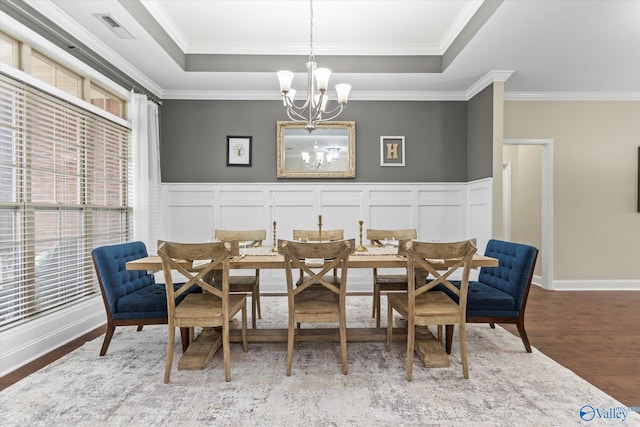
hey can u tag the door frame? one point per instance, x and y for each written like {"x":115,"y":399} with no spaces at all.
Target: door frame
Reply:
{"x":546,"y":252}
{"x":506,"y":200}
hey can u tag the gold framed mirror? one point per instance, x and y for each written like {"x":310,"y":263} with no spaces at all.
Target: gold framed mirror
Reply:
{"x":329,"y":151}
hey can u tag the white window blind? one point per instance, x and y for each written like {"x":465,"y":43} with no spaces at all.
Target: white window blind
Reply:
{"x":64,"y":181}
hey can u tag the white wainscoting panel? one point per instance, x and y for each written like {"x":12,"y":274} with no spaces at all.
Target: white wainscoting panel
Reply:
{"x":480,"y":212}
{"x":439,"y":211}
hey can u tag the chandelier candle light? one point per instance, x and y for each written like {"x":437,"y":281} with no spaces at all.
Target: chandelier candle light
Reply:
{"x":311,"y":112}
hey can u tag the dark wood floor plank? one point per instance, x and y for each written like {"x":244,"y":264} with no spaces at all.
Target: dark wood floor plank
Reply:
{"x":596,"y":334}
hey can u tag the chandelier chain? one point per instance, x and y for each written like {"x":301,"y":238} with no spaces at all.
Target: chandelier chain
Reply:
{"x":311,"y":29}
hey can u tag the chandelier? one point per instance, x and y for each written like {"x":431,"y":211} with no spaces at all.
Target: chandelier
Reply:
{"x":320,"y":160}
{"x":314,"y":109}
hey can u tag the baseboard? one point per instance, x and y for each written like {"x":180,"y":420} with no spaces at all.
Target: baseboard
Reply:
{"x":24,"y":343}
{"x":596,"y":285}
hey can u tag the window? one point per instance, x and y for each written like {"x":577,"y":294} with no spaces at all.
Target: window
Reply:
{"x":64,"y":181}
{"x":107,"y":101}
{"x":8,"y":50}
{"x":50,"y":72}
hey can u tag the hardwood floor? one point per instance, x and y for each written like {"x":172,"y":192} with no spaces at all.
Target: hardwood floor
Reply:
{"x":29,"y":368}
{"x":595,"y":334}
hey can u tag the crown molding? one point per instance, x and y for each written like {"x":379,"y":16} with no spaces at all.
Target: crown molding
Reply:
{"x":222,"y":95}
{"x":572,"y":96}
{"x":319,"y":49}
{"x":275,"y":96}
{"x":167,"y":24}
{"x":486,"y":80}
{"x":461,"y":21}
{"x":409,"y":96}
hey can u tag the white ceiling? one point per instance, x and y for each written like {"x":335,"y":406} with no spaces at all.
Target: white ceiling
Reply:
{"x":562,"y":49}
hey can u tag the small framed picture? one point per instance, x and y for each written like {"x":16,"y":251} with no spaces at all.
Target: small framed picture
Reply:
{"x":392,"y":151}
{"x":239,"y":150}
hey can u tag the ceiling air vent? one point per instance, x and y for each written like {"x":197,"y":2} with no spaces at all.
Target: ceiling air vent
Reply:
{"x":114,"y":25}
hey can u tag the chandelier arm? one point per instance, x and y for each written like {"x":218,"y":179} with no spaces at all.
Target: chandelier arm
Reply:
{"x":339,"y":108}
{"x":295,"y":117}
{"x":289,"y":104}
{"x":315,"y":114}
{"x":313,"y":108}
{"x":295,"y":109}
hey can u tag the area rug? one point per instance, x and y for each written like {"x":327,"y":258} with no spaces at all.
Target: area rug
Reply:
{"x":507,"y":386}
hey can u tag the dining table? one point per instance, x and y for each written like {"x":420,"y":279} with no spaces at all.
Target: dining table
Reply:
{"x":201,"y":350}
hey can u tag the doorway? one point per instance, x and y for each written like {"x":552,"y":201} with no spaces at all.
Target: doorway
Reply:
{"x":546,"y":214}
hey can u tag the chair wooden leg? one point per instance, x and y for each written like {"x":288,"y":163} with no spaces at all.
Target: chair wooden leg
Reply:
{"x":107,"y":339}
{"x":258,"y":301}
{"x":463,"y":349}
{"x":375,"y":312}
{"x":492,"y":325}
{"x":226,"y":351}
{"x":389,"y":325}
{"x":170,"y":343}
{"x":140,"y":327}
{"x":245,"y":339}
{"x":523,"y":335}
{"x":411,"y":334}
{"x":290,"y":341}
{"x":254,"y":309}
{"x":343,"y":343}
{"x":449,"y":338}
{"x":186,"y":337}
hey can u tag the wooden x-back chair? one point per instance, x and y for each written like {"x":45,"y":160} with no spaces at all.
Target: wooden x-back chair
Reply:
{"x":423,"y":307}
{"x":315,"y":236}
{"x":247,"y":284}
{"x":388,"y":282}
{"x":306,"y":303}
{"x":211,"y":308}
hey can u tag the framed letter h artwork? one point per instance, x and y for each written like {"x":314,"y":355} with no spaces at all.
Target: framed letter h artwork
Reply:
{"x":392,"y":151}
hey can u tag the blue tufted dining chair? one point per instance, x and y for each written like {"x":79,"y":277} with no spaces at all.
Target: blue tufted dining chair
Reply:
{"x":500,"y":293}
{"x":131,"y":297}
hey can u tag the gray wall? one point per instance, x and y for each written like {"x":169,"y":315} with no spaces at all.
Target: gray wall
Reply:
{"x":193,"y":139}
{"x":480,"y":135}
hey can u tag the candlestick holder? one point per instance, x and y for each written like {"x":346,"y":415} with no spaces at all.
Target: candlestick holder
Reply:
{"x":360,"y":247}
{"x":320,"y":228}
{"x":275,"y":242}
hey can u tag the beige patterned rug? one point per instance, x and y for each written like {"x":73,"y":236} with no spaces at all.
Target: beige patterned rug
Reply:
{"x":507,"y":386}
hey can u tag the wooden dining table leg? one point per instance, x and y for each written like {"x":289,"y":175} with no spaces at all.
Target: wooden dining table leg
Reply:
{"x":428,"y":349}
{"x":201,"y":350}
{"x":449,"y":338}
{"x":186,"y":339}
